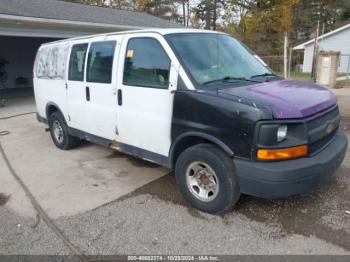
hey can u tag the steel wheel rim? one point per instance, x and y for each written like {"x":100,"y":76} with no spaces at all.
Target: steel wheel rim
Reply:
{"x":202,"y":181}
{"x":57,"y":131}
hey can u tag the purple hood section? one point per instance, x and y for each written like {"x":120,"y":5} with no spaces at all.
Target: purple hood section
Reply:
{"x":287,"y":98}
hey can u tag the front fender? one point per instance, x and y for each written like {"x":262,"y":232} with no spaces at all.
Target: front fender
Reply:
{"x":200,"y":135}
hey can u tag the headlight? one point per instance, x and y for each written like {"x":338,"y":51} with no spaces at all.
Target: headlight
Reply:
{"x":282,"y":133}
{"x":277,"y":141}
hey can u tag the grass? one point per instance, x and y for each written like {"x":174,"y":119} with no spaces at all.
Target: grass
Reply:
{"x":341,"y":74}
{"x":307,"y":77}
{"x":342,"y":84}
{"x":297,"y":75}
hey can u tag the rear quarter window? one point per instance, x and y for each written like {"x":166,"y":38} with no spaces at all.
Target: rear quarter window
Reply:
{"x":51,"y":61}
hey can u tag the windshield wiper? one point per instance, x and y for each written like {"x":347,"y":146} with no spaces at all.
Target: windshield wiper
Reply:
{"x":230,"y":78}
{"x":262,"y":75}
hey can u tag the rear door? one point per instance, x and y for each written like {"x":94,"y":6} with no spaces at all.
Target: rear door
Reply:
{"x":101,"y":86}
{"x":146,"y":79}
{"x":76,"y":93}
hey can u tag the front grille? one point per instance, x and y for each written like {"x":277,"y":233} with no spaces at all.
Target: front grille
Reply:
{"x":320,"y":144}
{"x":319,"y":131}
{"x":321,"y":119}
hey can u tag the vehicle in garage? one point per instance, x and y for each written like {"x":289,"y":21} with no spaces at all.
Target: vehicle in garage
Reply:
{"x":194,"y":100}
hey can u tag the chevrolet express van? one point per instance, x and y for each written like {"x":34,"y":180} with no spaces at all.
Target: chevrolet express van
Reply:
{"x":196,"y":101}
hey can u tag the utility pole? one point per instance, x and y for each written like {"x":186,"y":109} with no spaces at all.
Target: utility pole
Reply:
{"x":285,"y":57}
{"x":184,"y":11}
{"x":188,"y":13}
{"x":290,"y":61}
{"x":215,"y":14}
{"x":323,"y":30}
{"x":347,"y":72}
{"x":314,"y":58}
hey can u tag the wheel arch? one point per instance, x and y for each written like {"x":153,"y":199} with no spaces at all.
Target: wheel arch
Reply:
{"x":189,"y":139}
{"x":52,"y":107}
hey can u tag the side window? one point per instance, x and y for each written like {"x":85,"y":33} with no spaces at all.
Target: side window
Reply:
{"x":77,"y":62}
{"x":146,"y":64}
{"x":100,"y":62}
{"x":51,"y":61}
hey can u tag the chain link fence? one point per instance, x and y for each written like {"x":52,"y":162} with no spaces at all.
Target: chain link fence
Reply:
{"x":275,"y":62}
{"x":295,"y":66}
{"x":343,"y":78}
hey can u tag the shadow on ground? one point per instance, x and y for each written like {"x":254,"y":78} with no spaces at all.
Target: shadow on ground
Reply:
{"x":320,"y":213}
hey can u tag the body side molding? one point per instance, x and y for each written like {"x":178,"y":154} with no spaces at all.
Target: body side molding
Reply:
{"x":123,"y":148}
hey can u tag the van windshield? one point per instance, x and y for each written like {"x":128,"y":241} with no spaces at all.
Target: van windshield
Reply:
{"x":211,"y":58}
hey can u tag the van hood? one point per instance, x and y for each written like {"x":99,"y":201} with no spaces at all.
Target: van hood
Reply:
{"x":286,"y":98}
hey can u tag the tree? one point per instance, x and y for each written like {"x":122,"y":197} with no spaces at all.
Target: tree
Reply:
{"x":162,"y":8}
{"x":120,"y":4}
{"x":208,"y":12}
{"x":263,"y":23}
{"x":345,"y":13}
{"x":186,"y":12}
{"x":330,"y":13}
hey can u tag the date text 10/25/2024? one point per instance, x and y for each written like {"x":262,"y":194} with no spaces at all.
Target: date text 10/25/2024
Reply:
{"x":173,"y":258}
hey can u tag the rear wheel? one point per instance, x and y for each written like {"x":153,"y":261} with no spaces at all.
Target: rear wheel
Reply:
{"x":59,"y":132}
{"x":206,"y":178}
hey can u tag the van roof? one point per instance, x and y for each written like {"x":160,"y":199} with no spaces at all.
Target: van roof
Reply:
{"x":161,"y":31}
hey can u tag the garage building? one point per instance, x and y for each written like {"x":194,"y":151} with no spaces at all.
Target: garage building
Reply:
{"x":337,"y":40}
{"x":25,"y":25}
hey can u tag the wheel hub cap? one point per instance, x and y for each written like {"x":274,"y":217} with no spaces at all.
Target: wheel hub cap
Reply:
{"x":57,"y":131}
{"x":202,"y":181}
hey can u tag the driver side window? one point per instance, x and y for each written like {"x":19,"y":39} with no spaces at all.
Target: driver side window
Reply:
{"x":146,"y":64}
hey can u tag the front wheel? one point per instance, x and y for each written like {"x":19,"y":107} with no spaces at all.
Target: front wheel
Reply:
{"x":206,"y":178}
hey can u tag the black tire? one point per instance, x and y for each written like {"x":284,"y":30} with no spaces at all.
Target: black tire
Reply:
{"x":228,"y":191}
{"x":66,"y":141}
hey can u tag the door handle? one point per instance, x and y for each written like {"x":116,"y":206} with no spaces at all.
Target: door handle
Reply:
{"x":120,"y":97}
{"x":87,"y":90}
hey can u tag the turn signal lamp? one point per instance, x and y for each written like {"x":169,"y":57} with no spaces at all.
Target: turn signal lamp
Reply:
{"x":285,"y":153}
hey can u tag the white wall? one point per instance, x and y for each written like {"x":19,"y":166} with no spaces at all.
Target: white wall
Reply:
{"x":339,"y":42}
{"x":20,"y":53}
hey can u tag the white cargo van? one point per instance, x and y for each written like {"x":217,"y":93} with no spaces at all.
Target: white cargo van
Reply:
{"x":197,"y":101}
